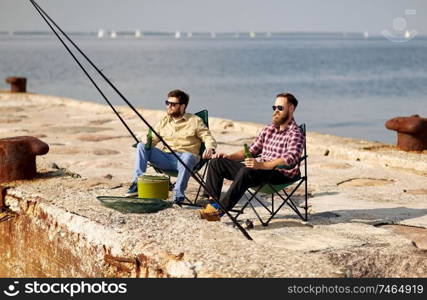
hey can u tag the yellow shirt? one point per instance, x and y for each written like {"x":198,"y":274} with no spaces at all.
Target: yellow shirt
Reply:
{"x":185,"y":134}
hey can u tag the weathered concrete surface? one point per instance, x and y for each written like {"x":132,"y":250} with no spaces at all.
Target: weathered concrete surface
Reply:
{"x":355,"y":189}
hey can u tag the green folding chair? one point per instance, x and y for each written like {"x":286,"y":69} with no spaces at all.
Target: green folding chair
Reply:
{"x":279,"y":190}
{"x":199,"y":170}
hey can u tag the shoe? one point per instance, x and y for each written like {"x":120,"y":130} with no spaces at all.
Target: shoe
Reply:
{"x":210,"y":208}
{"x":214,"y":216}
{"x":178,"y":201}
{"x":211,"y":212}
{"x":133,"y":190}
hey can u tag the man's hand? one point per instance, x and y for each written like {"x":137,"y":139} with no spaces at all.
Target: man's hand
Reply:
{"x":221,"y":155}
{"x":208,"y":153}
{"x":252,"y":163}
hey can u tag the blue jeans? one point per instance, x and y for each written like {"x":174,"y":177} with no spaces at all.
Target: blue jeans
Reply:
{"x":165,"y":161}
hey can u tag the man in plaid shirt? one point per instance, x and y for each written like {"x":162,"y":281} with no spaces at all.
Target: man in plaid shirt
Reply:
{"x":278,"y":144}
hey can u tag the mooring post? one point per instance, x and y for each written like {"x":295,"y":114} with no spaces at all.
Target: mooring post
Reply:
{"x":411,"y":132}
{"x":2,"y":197}
{"x":17,"y":84}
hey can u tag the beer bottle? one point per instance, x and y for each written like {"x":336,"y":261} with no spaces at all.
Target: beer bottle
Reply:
{"x":149,"y":140}
{"x":247,"y":153}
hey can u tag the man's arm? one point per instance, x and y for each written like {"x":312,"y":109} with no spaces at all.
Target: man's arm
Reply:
{"x":238,"y":155}
{"x":289,"y":158}
{"x":266,"y":165}
{"x":294,"y":149}
{"x":205,"y":135}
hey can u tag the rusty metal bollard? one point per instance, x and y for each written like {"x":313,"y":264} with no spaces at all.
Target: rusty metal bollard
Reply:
{"x":17,"y":84}
{"x":2,"y":197}
{"x":18,"y":157}
{"x":411,"y":132}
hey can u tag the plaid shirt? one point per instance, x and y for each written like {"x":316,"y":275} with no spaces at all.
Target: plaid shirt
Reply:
{"x":272,"y":143}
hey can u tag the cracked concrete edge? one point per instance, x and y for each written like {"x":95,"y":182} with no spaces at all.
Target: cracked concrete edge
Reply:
{"x":107,"y":242}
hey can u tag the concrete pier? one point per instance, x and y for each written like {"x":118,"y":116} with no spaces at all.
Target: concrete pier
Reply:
{"x":367,"y":217}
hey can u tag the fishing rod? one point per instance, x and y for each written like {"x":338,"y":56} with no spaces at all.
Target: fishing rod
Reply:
{"x":48,"y":19}
{"x":90,"y":78}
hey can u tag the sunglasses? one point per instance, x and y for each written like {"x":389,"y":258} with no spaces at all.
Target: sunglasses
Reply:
{"x":173,"y":104}
{"x":279,"y":107}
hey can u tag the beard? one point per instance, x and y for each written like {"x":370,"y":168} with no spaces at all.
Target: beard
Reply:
{"x":279,"y":119}
{"x":174,"y":114}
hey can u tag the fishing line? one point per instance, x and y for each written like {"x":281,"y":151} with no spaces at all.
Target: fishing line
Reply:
{"x":87,"y":74}
{"x":46,"y":17}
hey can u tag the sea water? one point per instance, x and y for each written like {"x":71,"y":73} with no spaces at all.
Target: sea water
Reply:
{"x":345,"y":86}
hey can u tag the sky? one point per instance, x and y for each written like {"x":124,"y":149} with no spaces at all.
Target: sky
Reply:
{"x":217,"y":15}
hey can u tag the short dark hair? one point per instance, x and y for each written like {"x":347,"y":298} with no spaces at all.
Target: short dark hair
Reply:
{"x":291,"y":98}
{"x":180,"y":95}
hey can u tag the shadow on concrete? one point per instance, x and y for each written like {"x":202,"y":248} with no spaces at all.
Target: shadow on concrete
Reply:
{"x":374,"y":216}
{"x":50,"y":174}
{"x":323,"y":194}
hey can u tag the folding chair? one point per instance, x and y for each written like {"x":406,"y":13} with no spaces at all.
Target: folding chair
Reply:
{"x":200,"y":167}
{"x":285,"y":197}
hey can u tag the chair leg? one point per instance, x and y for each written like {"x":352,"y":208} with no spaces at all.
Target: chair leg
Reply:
{"x":306,"y":202}
{"x":200,"y":187}
{"x":259,"y":217}
{"x":287,"y":201}
{"x":201,"y":178}
{"x":241,"y":211}
{"x":249,"y":202}
{"x":272,"y":202}
{"x":171,"y":185}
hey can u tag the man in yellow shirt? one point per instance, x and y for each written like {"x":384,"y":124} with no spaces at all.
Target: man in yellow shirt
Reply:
{"x":184,"y":133}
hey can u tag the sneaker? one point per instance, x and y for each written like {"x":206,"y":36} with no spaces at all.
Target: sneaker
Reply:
{"x":133,"y":190}
{"x":211,"y":212}
{"x":213,"y":216}
{"x":178,"y":201}
{"x":210,"y":208}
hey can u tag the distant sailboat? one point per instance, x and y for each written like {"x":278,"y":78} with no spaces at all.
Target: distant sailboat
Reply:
{"x":100,"y":33}
{"x":189,"y":34}
{"x":138,"y":34}
{"x":366,"y":35}
{"x":177,"y":34}
{"x":407,"y":35}
{"x":113,"y":34}
{"x":252,"y":34}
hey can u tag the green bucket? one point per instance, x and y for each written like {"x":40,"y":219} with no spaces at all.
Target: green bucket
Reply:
{"x":153,"y":187}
